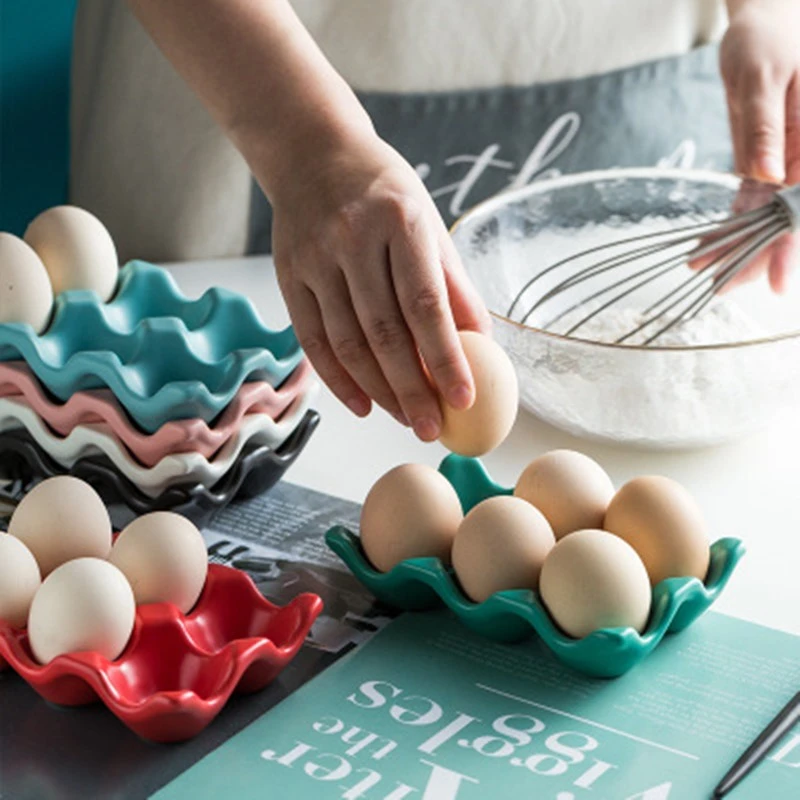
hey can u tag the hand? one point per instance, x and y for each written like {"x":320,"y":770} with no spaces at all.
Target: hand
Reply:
{"x":760,"y":64}
{"x":374,"y":286}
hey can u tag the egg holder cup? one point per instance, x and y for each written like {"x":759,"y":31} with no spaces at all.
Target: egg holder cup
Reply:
{"x":163,"y":356}
{"x":419,"y":584}
{"x":257,"y":470}
{"x":177,"y":671}
{"x":99,"y":407}
{"x":89,"y":440}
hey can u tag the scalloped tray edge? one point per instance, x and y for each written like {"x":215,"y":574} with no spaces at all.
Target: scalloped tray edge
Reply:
{"x":423,"y":583}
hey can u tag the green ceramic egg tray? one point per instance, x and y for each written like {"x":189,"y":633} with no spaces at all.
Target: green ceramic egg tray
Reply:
{"x":423,"y":583}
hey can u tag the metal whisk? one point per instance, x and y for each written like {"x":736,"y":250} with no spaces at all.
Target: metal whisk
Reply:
{"x":723,"y":247}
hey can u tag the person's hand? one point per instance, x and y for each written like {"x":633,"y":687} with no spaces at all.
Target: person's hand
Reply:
{"x":374,"y":286}
{"x":760,"y":65}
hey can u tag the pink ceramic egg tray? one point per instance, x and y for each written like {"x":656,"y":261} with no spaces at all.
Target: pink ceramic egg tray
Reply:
{"x":178,"y":436}
{"x":178,"y":671}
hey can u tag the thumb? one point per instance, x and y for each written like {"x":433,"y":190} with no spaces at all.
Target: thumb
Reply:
{"x":762,"y":132}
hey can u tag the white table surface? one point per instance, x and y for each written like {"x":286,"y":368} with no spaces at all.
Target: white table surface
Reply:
{"x":750,"y":489}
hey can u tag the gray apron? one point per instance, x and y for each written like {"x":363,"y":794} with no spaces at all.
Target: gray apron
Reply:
{"x":469,"y":145}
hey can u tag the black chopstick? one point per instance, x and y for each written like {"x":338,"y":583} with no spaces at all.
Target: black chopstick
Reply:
{"x":787,"y":718}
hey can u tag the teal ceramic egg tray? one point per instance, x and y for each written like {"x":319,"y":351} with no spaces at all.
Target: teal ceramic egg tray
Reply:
{"x":423,"y":583}
{"x":164,"y":357}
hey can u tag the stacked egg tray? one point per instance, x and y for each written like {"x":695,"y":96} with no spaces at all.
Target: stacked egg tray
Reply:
{"x":158,"y":401}
{"x":418,"y":584}
{"x":178,"y":671}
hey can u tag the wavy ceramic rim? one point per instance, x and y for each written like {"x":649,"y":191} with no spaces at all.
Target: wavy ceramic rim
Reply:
{"x":84,"y":440}
{"x":505,"y":198}
{"x":608,"y":652}
{"x":256,"y":470}
{"x":99,"y":407}
{"x":145,"y":714}
{"x":152,"y":405}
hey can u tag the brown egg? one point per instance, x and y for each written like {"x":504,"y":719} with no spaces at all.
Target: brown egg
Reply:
{"x":501,"y":544}
{"x":591,"y":580}
{"x":412,"y":511}
{"x":569,"y":488}
{"x":483,"y":426}
{"x":663,"y":523}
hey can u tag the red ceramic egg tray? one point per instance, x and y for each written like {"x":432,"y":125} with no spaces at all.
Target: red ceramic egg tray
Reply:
{"x":177,"y":671}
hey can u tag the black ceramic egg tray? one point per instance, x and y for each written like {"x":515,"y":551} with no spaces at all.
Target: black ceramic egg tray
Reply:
{"x":257,"y":470}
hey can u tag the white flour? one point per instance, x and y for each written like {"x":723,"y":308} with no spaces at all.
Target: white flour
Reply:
{"x":721,"y":322}
{"x":663,"y":397}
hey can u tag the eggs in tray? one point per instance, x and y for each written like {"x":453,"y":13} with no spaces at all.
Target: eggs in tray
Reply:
{"x":136,"y":617}
{"x":601,"y":574}
{"x":111,"y":374}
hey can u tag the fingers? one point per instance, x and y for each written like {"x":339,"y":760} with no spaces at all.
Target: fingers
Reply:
{"x":350,"y":345}
{"x":784,"y":259}
{"x":422,"y":293}
{"x":759,"y":116}
{"x":387,"y":333}
{"x":792,"y":143}
{"x":785,"y":255}
{"x":469,"y":310}
{"x":307,"y":320}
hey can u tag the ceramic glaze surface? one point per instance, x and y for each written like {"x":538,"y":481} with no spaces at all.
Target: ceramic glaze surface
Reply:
{"x":87,"y":440}
{"x":163,"y":356}
{"x":422,"y":583}
{"x":178,"y":671}
{"x":99,"y":408}
{"x":258,"y":468}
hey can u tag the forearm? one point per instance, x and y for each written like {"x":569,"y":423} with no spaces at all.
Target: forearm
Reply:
{"x":259,"y":73}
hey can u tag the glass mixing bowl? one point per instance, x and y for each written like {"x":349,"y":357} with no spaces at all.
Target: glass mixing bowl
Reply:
{"x":654,"y":396}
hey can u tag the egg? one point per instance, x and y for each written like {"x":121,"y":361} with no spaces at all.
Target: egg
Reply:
{"x":84,"y":605}
{"x":661,"y":520}
{"x":411,"y":512}
{"x":501,"y":544}
{"x":76,"y":249}
{"x":569,"y":488}
{"x":25,"y":291}
{"x":482,"y":427}
{"x":62,"y":518}
{"x":591,"y":580}
{"x":19,"y":580}
{"x":163,"y":556}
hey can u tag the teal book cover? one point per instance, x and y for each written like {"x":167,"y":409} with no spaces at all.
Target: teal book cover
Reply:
{"x":429,"y":711}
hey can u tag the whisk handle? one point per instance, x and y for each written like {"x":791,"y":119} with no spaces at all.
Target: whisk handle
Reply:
{"x":790,"y":200}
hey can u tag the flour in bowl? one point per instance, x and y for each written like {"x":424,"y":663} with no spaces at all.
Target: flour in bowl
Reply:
{"x":721,"y":322}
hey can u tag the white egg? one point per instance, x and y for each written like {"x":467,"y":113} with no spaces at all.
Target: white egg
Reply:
{"x":19,"y":580}
{"x":591,"y":580}
{"x":84,"y":605}
{"x":26,"y":294}
{"x":164,"y":558}
{"x":77,"y":250}
{"x":60,"y":519}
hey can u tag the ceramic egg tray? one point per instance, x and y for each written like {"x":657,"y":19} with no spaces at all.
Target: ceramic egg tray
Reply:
{"x":257,"y":470}
{"x":163,"y":356}
{"x":88,"y":440}
{"x":99,"y":408}
{"x":178,"y":671}
{"x":423,"y":583}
